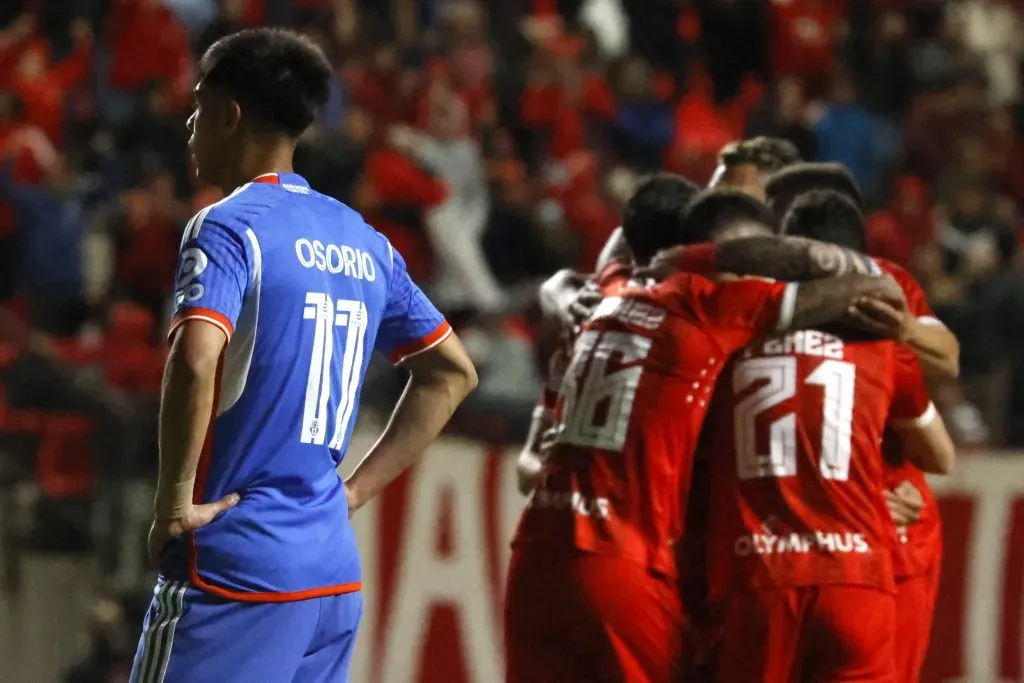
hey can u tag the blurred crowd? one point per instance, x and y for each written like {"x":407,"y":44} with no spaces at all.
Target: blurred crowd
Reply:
{"x":493,"y":142}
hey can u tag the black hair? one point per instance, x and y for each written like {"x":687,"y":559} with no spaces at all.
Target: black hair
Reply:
{"x":650,"y":219}
{"x":827,"y":216}
{"x":279,"y":78}
{"x":714,"y":212}
{"x":785,"y":186}
{"x":766,"y":153}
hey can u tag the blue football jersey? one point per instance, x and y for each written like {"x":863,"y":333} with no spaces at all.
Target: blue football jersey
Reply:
{"x":304,"y":290}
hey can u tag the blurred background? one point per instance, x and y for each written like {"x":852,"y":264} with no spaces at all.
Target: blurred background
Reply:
{"x":493,"y":141}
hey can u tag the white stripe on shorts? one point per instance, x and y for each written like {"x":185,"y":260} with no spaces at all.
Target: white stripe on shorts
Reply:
{"x":169,"y":599}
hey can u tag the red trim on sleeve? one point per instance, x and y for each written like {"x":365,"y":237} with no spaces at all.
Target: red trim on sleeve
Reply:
{"x":431,"y":340}
{"x":698,"y":258}
{"x":204,"y":314}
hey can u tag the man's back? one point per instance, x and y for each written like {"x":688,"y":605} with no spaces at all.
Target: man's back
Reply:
{"x":632,"y":404}
{"x":306,"y":291}
{"x":796,"y":464}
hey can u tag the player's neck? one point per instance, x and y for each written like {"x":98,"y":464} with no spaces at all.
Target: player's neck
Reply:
{"x":261,"y":159}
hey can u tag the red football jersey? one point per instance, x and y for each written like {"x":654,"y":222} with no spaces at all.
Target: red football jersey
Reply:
{"x":920,"y":545}
{"x":631,"y":408}
{"x":797,"y":472}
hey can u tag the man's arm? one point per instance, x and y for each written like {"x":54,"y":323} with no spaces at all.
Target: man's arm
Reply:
{"x":780,"y":258}
{"x":927,"y":443}
{"x":936,"y":347}
{"x":440,"y":378}
{"x":531,"y":458}
{"x":810,"y":304}
{"x":789,"y":258}
{"x":186,"y":409}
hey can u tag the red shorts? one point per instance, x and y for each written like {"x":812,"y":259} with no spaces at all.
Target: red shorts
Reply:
{"x":915,"y":607}
{"x":821,"y":634}
{"x":590,"y":619}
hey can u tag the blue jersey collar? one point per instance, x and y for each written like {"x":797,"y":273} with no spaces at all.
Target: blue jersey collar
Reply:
{"x":293,"y":179}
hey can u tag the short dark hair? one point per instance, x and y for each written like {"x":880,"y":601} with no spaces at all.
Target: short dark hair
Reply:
{"x":827,"y":216}
{"x":766,"y":153}
{"x":280,"y":78}
{"x":650,"y":219}
{"x":786,"y":185}
{"x":715,"y":211}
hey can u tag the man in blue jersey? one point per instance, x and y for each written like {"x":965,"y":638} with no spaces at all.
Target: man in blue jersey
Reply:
{"x":281,"y":295}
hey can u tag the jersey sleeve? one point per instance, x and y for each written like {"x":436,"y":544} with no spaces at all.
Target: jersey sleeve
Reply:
{"x":215,"y":265}
{"x":911,"y":401}
{"x":742,"y":310}
{"x":613,"y":278}
{"x":698,"y":258}
{"x":410,"y":324}
{"x":917,"y":300}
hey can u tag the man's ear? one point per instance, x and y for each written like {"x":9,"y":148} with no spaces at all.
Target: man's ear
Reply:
{"x":231,"y":117}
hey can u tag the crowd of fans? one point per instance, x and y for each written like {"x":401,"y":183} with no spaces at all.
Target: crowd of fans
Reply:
{"x":494,"y":142}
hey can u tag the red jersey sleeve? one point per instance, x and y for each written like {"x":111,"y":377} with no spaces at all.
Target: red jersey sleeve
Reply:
{"x":613,"y":277}
{"x":917,"y":300}
{"x":911,"y":402}
{"x":698,"y":258}
{"x":740,"y":311}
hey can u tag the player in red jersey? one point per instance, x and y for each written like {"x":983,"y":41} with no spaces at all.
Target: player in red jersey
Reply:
{"x":657,"y":202}
{"x":591,"y":594}
{"x":917,"y":560}
{"x":802,"y":544}
{"x":926,"y":341}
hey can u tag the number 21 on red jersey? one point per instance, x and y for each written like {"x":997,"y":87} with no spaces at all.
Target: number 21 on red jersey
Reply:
{"x":779,"y":376}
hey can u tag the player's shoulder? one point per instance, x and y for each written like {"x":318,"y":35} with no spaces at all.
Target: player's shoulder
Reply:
{"x":691,"y":284}
{"x":244,"y":208}
{"x":896,"y":272}
{"x":677,"y":291}
{"x":349,"y":220}
{"x":225,"y":215}
{"x":613,"y":277}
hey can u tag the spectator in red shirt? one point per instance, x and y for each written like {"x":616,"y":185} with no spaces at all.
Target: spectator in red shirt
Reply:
{"x":148,"y":43}
{"x":906,"y":224}
{"x":43,"y":86}
{"x":472,"y":61}
{"x":700,"y":130}
{"x":149,"y":239}
{"x":12,"y":42}
{"x":393,"y":195}
{"x":805,"y":33}
{"x":559,"y":97}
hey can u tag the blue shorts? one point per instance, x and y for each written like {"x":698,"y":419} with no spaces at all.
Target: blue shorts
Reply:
{"x":194,"y":637}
